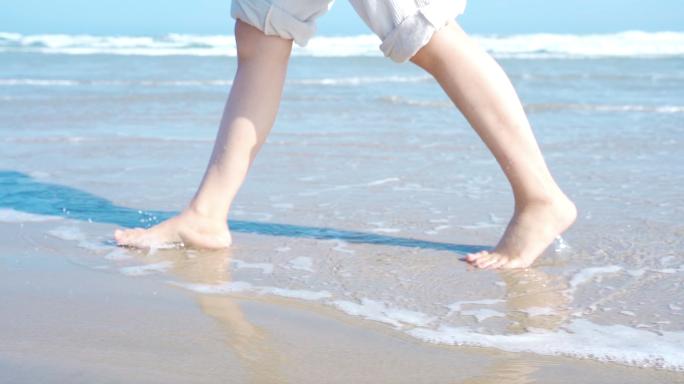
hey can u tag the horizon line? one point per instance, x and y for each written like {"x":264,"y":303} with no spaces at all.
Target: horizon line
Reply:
{"x":493,"y":34}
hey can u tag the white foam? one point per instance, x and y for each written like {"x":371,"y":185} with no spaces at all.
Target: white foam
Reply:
{"x":438,"y":228}
{"x":456,"y":307}
{"x":283,"y":205}
{"x":345,"y":187}
{"x":112,"y":83}
{"x":671,"y":270}
{"x":215,"y":82}
{"x":613,"y":108}
{"x":357,"y":81}
{"x":118,"y":254}
{"x":302,"y":263}
{"x":71,"y":233}
{"x":637,"y":272}
{"x":8,"y":215}
{"x":74,"y":233}
{"x":340,"y":246}
{"x":383,"y":181}
{"x":589,"y":273}
{"x":241,"y":286}
{"x":615,"y":343}
{"x":632,"y":44}
{"x":481,"y":225}
{"x":142,"y":270}
{"x":379,"y":311}
{"x":264,"y":216}
{"x":532,"y":108}
{"x":94,"y":246}
{"x":385,"y":230}
{"x":295,"y":293}
{"x":667,"y":259}
{"x":368,"y":309}
{"x":538,"y":311}
{"x":482,"y":314}
{"x":409,"y":317}
{"x":227,"y":287}
{"x":266,"y":268}
{"x":418,"y":103}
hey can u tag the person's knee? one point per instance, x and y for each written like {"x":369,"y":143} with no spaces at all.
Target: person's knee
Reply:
{"x":434,"y":54}
{"x":252,"y":43}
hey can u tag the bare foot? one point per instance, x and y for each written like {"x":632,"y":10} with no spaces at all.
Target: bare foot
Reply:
{"x":186,"y":229}
{"x":531,"y":230}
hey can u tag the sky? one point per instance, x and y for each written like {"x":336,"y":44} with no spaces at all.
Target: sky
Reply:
{"x":157,"y":17}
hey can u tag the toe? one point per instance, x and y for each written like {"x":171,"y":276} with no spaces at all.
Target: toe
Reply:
{"x":487,"y":260}
{"x":127,"y":236}
{"x":471,"y":257}
{"x":498,"y":263}
{"x":122,"y":237}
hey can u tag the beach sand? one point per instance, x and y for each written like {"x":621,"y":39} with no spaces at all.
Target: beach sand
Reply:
{"x":64,"y":322}
{"x":351,"y":227}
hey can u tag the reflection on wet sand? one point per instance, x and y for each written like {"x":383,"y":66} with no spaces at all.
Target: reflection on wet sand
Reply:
{"x":262,"y":360}
{"x":536,"y":300}
{"x":508,"y":371}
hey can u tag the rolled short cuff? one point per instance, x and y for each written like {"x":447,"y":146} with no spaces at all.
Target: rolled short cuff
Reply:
{"x":415,"y":31}
{"x":274,"y":21}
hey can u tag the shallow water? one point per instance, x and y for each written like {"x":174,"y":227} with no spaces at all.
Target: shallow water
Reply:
{"x":370,"y":190}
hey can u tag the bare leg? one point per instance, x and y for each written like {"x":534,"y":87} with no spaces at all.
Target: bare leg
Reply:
{"x":247,"y":119}
{"x":484,"y":94}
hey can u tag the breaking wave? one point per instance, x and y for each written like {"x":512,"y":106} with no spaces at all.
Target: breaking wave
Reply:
{"x":631,"y":44}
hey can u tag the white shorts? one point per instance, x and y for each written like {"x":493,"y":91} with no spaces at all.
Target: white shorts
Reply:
{"x":405,"y":26}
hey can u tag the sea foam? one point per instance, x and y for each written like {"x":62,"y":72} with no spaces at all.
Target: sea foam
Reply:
{"x":630,"y":44}
{"x":380,"y":311}
{"x":581,"y":339}
{"x":8,"y":215}
{"x":302,"y":263}
{"x":142,"y":270}
{"x":241,"y":286}
{"x":266,"y":268}
{"x":74,"y":233}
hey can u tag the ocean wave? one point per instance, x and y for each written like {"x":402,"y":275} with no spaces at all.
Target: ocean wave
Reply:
{"x":192,"y":83}
{"x":631,"y":44}
{"x":418,"y":103}
{"x":361,"y":80}
{"x":545,"y":107}
{"x":152,"y":83}
{"x":533,"y":108}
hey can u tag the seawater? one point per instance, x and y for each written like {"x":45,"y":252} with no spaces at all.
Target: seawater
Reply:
{"x":371,"y":186}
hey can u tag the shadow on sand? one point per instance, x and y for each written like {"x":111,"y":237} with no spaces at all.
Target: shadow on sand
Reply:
{"x":25,"y":194}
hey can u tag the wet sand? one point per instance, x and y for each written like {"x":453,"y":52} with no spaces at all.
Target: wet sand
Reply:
{"x":65,"y":322}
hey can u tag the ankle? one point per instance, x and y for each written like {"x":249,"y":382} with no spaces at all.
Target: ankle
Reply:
{"x":195,"y":213}
{"x":547,"y":199}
